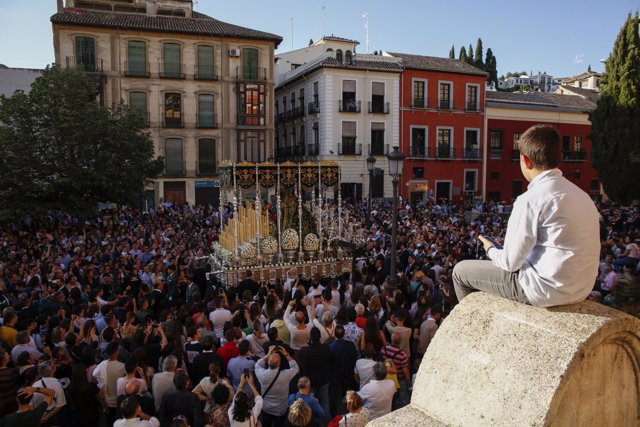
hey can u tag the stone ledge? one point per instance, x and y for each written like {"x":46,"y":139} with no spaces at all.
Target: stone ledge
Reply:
{"x":498,"y":362}
{"x":408,"y":416}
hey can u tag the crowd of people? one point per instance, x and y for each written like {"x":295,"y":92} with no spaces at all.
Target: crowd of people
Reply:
{"x":115,"y":322}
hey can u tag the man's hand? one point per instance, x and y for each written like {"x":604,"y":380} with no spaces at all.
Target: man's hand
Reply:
{"x":486,"y":243}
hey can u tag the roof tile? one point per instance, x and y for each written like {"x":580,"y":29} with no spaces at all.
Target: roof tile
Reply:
{"x":433,"y":63}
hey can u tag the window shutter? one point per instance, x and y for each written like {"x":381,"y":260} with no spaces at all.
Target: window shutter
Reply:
{"x":349,"y":86}
{"x":377,"y":89}
{"x":348,"y":128}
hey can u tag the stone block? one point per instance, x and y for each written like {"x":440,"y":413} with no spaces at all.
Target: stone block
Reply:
{"x":495,"y":362}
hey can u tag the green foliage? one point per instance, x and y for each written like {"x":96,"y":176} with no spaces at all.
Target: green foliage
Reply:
{"x":615,"y":123}
{"x":463,"y":54}
{"x":478,"y":54}
{"x":63,"y":151}
{"x":452,"y":52}
{"x":491,"y":66}
{"x":470,"y":58}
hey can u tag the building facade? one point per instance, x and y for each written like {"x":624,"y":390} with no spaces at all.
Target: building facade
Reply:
{"x":508,"y":115}
{"x":14,"y":79}
{"x":442,"y":127}
{"x":204,"y":88}
{"x":334,"y":104}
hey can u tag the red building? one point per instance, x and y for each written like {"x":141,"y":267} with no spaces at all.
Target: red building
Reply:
{"x":510,"y":114}
{"x":442,"y":127}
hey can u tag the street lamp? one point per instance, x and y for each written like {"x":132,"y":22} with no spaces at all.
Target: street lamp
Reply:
{"x":371,"y":162}
{"x":395,"y":159}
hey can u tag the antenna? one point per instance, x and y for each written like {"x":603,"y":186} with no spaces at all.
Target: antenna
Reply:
{"x":291,"y":18}
{"x":324,"y":22}
{"x":365,"y":19}
{"x":195,"y":5}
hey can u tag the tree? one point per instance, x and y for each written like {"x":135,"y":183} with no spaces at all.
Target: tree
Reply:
{"x":491,"y":66}
{"x":615,"y":122}
{"x":470,"y":58}
{"x":63,"y":151}
{"x":463,"y":54}
{"x":478,"y":54}
{"x":452,"y":52}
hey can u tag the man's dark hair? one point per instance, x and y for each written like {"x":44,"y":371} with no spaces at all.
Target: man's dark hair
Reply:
{"x":272,"y":333}
{"x":436,"y":310}
{"x":111,"y":349}
{"x":191,"y":331}
{"x":369,"y":351}
{"x":542,"y":145}
{"x":129,"y":406}
{"x":207,"y":343}
{"x":339,"y":332}
{"x":315,"y":335}
{"x":220,"y":394}
{"x":243,"y":347}
{"x":180,"y":380}
{"x":108,"y":334}
{"x":130,"y":367}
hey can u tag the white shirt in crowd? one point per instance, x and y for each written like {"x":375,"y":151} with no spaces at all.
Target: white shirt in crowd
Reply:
{"x":377,"y":397}
{"x":218,"y":318}
{"x":553,"y":241}
{"x":137,"y":422}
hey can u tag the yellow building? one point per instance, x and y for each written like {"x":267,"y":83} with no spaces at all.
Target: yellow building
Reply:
{"x":204,"y":87}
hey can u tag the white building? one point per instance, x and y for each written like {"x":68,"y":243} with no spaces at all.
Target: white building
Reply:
{"x":334,"y":104}
{"x":541,"y":82}
{"x":13,"y":79}
{"x":587,"y":80}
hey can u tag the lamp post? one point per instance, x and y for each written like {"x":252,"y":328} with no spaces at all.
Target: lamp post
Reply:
{"x":395,"y":159}
{"x":371,"y":162}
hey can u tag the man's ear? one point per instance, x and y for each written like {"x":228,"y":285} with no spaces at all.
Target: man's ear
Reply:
{"x":527,"y":161}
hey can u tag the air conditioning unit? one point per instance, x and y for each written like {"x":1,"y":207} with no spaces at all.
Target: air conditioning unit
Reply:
{"x":234,"y":52}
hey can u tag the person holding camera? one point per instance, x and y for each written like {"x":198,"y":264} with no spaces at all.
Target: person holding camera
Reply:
{"x":241,"y":414}
{"x":27,"y":414}
{"x":275,"y":385}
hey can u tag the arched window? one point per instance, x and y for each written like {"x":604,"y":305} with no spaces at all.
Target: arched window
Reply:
{"x":339,"y":55}
{"x":329,"y":49}
{"x":348,"y":57}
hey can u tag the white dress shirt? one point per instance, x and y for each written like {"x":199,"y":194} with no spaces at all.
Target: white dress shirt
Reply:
{"x":553,"y":240}
{"x":377,"y":397}
{"x":137,"y":422}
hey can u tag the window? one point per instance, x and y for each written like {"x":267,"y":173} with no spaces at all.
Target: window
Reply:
{"x":418,"y":139}
{"x":495,"y":139}
{"x":566,"y":143}
{"x":206,"y":117}
{"x":516,"y":139}
{"x":314,"y":148}
{"x":418,"y":94}
{"x":315,"y":93}
{"x":250,"y":63}
{"x":302,"y":139}
{"x":377,"y":183}
{"x":445,"y":96}
{"x":472,"y":98}
{"x":171,"y":55}
{"x":293,"y":101}
{"x":516,"y":189}
{"x":348,"y":138}
{"x":137,"y":59}
{"x":172,"y":110}
{"x":495,"y":175}
{"x":85,"y":53}
{"x":377,"y":139}
{"x":206,"y":156}
{"x":471,"y":180}
{"x":595,"y":185}
{"x":579,"y":143}
{"x":348,"y":57}
{"x":205,"y":69}
{"x":252,"y":104}
{"x":138,"y":103}
{"x":349,"y":96}
{"x":418,"y":172}
{"x":339,"y":55}
{"x":301,"y":98}
{"x":251,"y":147}
{"x":377,"y":98}
{"x":173,"y":157}
{"x":444,"y":143}
{"x":471,"y":146}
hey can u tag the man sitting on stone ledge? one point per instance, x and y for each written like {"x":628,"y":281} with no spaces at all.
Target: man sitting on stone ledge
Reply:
{"x":551,"y":249}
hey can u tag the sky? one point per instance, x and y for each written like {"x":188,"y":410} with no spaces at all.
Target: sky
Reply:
{"x":561,"y":37}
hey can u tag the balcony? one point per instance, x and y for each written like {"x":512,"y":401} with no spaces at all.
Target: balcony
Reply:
{"x":349,"y":106}
{"x":418,"y":150}
{"x":172,"y":70}
{"x":281,"y":117}
{"x":298,"y":149}
{"x":378,"y":149}
{"x":174,"y":168}
{"x":444,"y":151}
{"x":205,"y":72}
{"x":378,"y":107}
{"x":206,"y":122}
{"x":575,"y":156}
{"x":418,"y":103}
{"x":446,"y":104}
{"x":313,"y":107}
{"x":313,"y":149}
{"x":172,"y":122}
{"x":349,"y":147}
{"x":515,"y":155}
{"x":472,"y":107}
{"x":136,"y":69}
{"x":284,"y":151}
{"x":296,"y":112}
{"x":257,"y":74}
{"x":206,"y":168}
{"x":95,"y":66}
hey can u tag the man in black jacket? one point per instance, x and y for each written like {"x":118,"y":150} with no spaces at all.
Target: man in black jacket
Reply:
{"x":343,"y":355}
{"x":181,"y":401}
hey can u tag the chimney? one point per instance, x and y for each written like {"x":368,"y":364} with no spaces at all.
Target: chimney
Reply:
{"x":60,"y":6}
{"x":152,"y":8}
